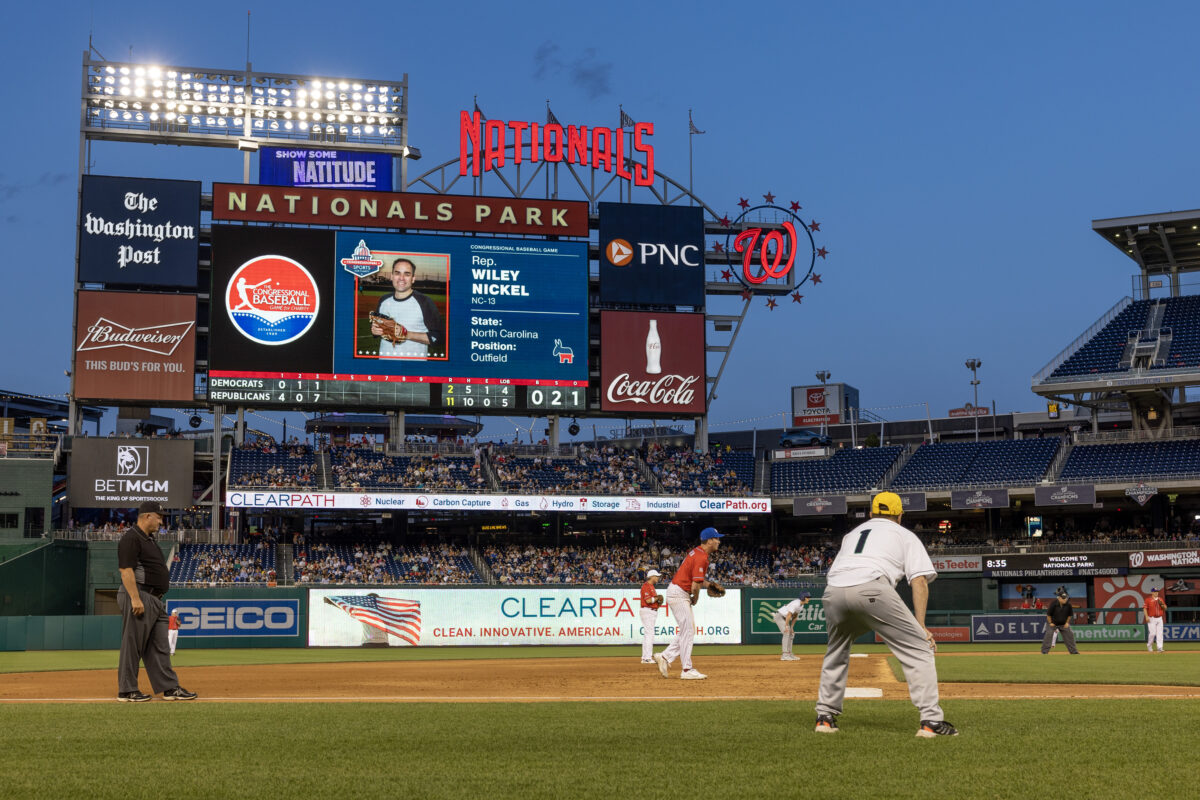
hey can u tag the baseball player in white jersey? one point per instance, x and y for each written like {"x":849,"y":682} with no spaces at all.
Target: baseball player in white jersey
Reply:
{"x":860,"y":596}
{"x":417,"y":314}
{"x":785,"y":618}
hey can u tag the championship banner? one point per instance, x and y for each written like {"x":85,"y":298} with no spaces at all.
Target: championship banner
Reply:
{"x":1065,"y":495}
{"x":354,"y":208}
{"x":139,"y":231}
{"x":912,"y":501}
{"x":978,"y":498}
{"x":123,"y":473}
{"x":135,"y":346}
{"x":821,"y":505}
{"x":402,"y":617}
{"x":324,"y":169}
{"x":242,"y":498}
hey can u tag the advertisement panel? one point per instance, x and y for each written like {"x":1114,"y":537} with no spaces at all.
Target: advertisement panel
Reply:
{"x":943,"y":633}
{"x":652,"y":363}
{"x":355,"y":208}
{"x":956,"y":563}
{"x":819,"y":505}
{"x":443,"y":617}
{"x":132,"y":346}
{"x":824,"y":404}
{"x":1065,"y":495}
{"x":250,"y":618}
{"x":272,"y":300}
{"x":138,"y":231}
{"x":1157,"y":559}
{"x":1029,"y":627}
{"x":1174,"y":632}
{"x":1038,"y":596}
{"x":979,"y":498}
{"x":121,"y":473}
{"x":469,"y":307}
{"x":651,"y":254}
{"x":1011,"y":565}
{"x":912,"y":501}
{"x":324,"y":169}
{"x":1127,"y":592}
{"x":496,"y":502}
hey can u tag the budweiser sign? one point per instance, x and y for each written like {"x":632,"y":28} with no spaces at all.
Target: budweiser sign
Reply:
{"x":652,"y":362}
{"x":160,"y":339}
{"x":135,"y":346}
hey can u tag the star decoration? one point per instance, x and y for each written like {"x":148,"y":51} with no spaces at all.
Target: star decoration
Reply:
{"x":816,"y":277}
{"x":814,"y":226}
{"x":770,"y":198}
{"x":822,"y":252}
{"x":795,"y":206}
{"x":771,"y":303}
{"x":726,"y":274}
{"x":718,"y":247}
{"x":743,"y":202}
{"x":746,"y":294}
{"x":725,"y":221}
{"x":797,"y":297}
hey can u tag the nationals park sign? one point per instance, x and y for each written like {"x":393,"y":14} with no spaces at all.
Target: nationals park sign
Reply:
{"x":498,"y":502}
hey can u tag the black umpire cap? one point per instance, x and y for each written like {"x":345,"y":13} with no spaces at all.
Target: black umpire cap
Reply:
{"x":151,"y":507}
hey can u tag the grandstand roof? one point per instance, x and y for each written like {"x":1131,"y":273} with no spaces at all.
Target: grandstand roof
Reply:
{"x":1158,"y":243}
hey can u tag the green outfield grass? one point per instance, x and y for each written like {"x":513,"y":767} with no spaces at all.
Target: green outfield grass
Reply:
{"x":1169,"y":669}
{"x":602,"y":750}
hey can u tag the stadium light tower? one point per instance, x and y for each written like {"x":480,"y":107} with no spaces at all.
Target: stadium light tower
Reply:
{"x":822,"y":376}
{"x":974,"y":364}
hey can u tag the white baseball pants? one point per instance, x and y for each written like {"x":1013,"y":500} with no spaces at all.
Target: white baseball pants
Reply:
{"x":680,"y":604}
{"x":649,"y":616}
{"x":789,"y":633}
{"x":1154,"y":632}
{"x":173,"y":637}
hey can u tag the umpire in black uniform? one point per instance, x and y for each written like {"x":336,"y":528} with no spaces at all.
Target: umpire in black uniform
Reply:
{"x":1058,"y":618}
{"x":145,"y":579}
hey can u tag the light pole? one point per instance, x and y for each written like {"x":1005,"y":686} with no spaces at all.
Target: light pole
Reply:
{"x":822,"y":376}
{"x":974,"y":364}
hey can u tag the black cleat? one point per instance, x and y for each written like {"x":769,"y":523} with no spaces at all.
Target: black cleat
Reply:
{"x":826,"y":724}
{"x":132,"y":697}
{"x":178,"y":693}
{"x":931,"y":729}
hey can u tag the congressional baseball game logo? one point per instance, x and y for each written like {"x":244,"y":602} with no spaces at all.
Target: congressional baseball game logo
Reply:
{"x":1141,"y":493}
{"x":272,"y":300}
{"x":133,"y":460}
{"x":362,"y":263}
{"x":161,"y":340}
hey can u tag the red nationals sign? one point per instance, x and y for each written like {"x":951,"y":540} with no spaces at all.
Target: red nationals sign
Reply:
{"x":652,"y":363}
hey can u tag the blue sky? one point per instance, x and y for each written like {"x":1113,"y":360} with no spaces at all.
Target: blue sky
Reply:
{"x":954,"y":154}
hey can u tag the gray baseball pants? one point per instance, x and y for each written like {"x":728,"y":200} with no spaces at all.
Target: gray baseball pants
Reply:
{"x":144,"y":639}
{"x":1067,"y":635}
{"x":851,"y":611}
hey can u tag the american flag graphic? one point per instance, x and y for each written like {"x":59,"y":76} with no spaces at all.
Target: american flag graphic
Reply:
{"x":400,"y":618}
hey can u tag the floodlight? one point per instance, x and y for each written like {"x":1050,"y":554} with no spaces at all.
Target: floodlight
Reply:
{"x":247,"y":145}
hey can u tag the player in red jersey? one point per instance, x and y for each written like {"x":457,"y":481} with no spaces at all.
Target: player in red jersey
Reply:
{"x":651,"y":603}
{"x":682,"y":594}
{"x":1156,"y":611}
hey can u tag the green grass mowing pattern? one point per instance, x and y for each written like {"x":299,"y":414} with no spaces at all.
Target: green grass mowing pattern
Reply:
{"x":752,"y":749}
{"x":1140,"y":667}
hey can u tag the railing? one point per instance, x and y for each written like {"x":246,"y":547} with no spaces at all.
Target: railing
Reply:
{"x":182,"y":536}
{"x":30,"y":445}
{"x":1033,"y":546}
{"x":1106,"y":437}
{"x":1082,"y":339}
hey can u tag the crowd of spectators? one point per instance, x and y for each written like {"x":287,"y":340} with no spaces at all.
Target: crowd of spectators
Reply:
{"x":382,"y":563}
{"x":441,"y":563}
{"x":601,"y":470}
{"x":355,"y":468}
{"x":682,"y":470}
{"x":292,"y":466}
{"x":224,"y":564}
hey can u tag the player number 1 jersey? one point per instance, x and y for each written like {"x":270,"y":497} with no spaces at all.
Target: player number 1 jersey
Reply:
{"x":880,"y":548}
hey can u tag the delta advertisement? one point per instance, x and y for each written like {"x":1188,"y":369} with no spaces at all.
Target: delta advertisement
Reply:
{"x":135,"y":347}
{"x":651,"y":254}
{"x":652,"y":363}
{"x":138,"y":231}
{"x":123,"y":473}
{"x":496,"y":502}
{"x":1032,"y":627}
{"x":458,"y":307}
{"x":456,"y":617}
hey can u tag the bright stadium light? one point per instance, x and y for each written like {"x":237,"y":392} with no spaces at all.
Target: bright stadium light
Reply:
{"x":210,"y":107}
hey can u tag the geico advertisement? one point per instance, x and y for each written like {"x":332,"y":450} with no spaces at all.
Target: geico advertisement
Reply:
{"x":237,"y":617}
{"x":433,"y":617}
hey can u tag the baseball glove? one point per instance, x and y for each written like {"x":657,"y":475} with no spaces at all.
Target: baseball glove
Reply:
{"x":391,"y":330}
{"x":659,"y":599}
{"x":715,"y":589}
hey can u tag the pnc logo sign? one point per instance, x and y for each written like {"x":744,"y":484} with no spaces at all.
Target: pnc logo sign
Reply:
{"x":619,"y":252}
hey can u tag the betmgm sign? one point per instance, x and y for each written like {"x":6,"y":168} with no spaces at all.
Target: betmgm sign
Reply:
{"x":123,"y":473}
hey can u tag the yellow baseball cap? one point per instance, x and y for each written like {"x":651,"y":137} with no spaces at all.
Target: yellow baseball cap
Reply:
{"x":887,"y":503}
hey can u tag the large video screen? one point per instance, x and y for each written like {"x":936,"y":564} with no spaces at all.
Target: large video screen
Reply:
{"x":398,"y":320}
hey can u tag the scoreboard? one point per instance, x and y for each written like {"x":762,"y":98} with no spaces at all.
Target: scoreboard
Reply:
{"x":500,"y":395}
{"x":336,"y":319}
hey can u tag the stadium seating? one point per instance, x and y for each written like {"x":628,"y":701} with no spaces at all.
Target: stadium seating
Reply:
{"x":1102,"y":353}
{"x":1128,"y":460}
{"x":607,"y":471}
{"x":683,"y":471}
{"x":332,"y":561}
{"x":361,"y":468}
{"x":999,"y":463}
{"x":845,"y":471}
{"x":1182,"y":316}
{"x":273,"y":466}
{"x":224,"y":563}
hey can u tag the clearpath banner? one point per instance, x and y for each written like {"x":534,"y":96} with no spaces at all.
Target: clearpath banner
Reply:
{"x":241,"y":498}
{"x":439,"y":617}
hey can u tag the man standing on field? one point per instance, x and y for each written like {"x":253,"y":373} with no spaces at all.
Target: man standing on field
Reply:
{"x":682,"y":594}
{"x":860,"y":596}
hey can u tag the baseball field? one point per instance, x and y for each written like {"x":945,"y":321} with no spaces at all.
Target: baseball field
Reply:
{"x":594,"y":722}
